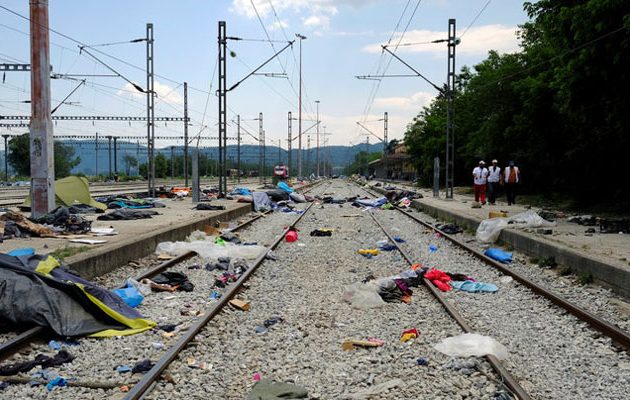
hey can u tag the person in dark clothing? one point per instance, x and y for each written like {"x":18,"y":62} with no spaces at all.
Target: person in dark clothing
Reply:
{"x":495,"y":177}
{"x":512,"y":177}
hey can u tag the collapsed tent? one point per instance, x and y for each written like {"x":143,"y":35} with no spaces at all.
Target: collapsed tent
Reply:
{"x":69,"y":191}
{"x":38,"y":291}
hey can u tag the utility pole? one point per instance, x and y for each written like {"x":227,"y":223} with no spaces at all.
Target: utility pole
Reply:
{"x":238,"y":146}
{"x":150,"y":113}
{"x":317,"y":122}
{"x":96,"y":158}
{"x":222,"y":92}
{"x":41,"y":128}
{"x":308,"y":154}
{"x":279,"y":151}
{"x":185,"y":134}
{"x":6,"y":158}
{"x":172,"y":162}
{"x":289,"y":142}
{"x":261,"y":148}
{"x":109,"y":152}
{"x":385,"y":144}
{"x":450,"y":128}
{"x":115,"y":155}
{"x":301,"y":37}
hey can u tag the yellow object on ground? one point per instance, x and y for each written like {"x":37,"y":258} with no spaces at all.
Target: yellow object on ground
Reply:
{"x":372,"y":252}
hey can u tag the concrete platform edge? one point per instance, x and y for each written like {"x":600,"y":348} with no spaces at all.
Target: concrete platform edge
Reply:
{"x":609,"y":275}
{"x":106,"y":259}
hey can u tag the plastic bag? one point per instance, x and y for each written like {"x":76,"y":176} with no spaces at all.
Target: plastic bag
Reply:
{"x":362,"y":296}
{"x":489,"y":230}
{"x":499,"y":255}
{"x":298,"y":198}
{"x":130,"y":295}
{"x":471,"y":344}
{"x":209,"y":250}
{"x":144,"y":290}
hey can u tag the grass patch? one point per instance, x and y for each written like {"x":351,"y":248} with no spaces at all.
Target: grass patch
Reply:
{"x":549,"y":262}
{"x":68,"y":251}
{"x":585,"y":278}
{"x":564,"y":271}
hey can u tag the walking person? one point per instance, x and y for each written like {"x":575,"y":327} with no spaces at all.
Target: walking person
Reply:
{"x":512,"y":177}
{"x":495,"y":177}
{"x":480,"y":176}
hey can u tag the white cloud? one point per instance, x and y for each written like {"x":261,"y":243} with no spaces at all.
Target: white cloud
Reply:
{"x":414,"y":102}
{"x":278,"y":25}
{"x":477,"y":41}
{"x":317,"y":21}
{"x":164,"y":92}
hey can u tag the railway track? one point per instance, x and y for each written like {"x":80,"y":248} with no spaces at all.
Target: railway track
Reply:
{"x":517,"y":304}
{"x":24,"y":339}
{"x":305,"y":286}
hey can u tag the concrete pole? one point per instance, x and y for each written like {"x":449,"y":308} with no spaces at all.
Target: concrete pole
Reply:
{"x":41,"y":128}
{"x":289,"y":143}
{"x":6,"y":158}
{"x":185,"y":134}
{"x":115,"y":155}
{"x":96,"y":157}
{"x":301,"y":37}
{"x":317,"y":102}
{"x":238,"y":147}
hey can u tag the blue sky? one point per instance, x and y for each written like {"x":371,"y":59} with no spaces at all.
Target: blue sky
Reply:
{"x":343,"y":39}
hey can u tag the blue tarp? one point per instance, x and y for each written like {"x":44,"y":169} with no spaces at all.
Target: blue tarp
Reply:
{"x":242,"y":191}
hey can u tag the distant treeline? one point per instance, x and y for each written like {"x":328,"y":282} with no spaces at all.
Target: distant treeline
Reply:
{"x":560,"y":108}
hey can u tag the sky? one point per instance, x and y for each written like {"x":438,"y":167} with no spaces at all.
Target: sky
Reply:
{"x":343,"y":39}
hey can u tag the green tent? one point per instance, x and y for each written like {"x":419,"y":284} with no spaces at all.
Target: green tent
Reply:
{"x":69,"y":191}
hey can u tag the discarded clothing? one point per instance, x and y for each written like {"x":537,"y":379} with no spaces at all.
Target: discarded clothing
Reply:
{"x":499,"y":255}
{"x":266,"y":389}
{"x":38,"y":290}
{"x":127,"y":214}
{"x":208,"y":207}
{"x":42,"y":360}
{"x":277,"y":195}
{"x":284,"y":187}
{"x":68,"y":222}
{"x":471,"y":344}
{"x":474,"y":287}
{"x":26,"y":225}
{"x":439,"y":278}
{"x":133,"y":204}
{"x":450,"y":229}
{"x":298,"y":198}
{"x":173,"y":278}
{"x":142,"y":366}
{"x":83,"y":209}
{"x":242,"y":191}
{"x":223,"y":263}
{"x":261,"y":201}
{"x":230,"y":237}
{"x":371,"y":202}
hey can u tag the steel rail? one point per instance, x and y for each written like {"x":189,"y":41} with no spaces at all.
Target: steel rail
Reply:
{"x":147,"y":381}
{"x":507,"y":377}
{"x":10,"y":346}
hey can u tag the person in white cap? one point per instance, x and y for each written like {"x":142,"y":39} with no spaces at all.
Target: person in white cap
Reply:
{"x":495,"y":176}
{"x":480,"y":176}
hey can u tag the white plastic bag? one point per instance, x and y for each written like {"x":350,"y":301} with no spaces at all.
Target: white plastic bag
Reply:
{"x":489,"y":230}
{"x":208,"y":250}
{"x":471,"y":344}
{"x":362,"y":296}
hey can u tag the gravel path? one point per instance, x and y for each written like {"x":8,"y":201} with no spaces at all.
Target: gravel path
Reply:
{"x":553,"y":354}
{"x":304,"y":286}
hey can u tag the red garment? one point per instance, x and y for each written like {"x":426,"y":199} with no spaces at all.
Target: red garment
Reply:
{"x":480,"y":193}
{"x":439,"y":279}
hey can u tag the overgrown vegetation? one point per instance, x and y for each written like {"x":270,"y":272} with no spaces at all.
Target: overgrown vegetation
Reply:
{"x":559,"y":108}
{"x":68,"y":251}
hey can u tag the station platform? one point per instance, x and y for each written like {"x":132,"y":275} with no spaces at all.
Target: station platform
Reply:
{"x":606,"y":256}
{"x":134,"y":238}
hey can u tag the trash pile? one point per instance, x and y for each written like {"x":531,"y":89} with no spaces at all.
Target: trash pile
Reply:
{"x":489,"y":230}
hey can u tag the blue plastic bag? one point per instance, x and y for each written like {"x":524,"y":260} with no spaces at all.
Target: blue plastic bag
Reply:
{"x":285,"y":187}
{"x":26,"y":251}
{"x":130,"y":296}
{"x":499,"y":255}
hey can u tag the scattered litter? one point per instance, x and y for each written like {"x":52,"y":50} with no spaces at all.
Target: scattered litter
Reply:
{"x":291,"y":235}
{"x":322,"y":232}
{"x":363,"y":296}
{"x":157,"y":345}
{"x":215,"y":295}
{"x":449,"y":229}
{"x":506,"y":279}
{"x":103,"y":231}
{"x":269,"y":390}
{"x":409,"y":334}
{"x":471,"y":344}
{"x":130,"y":295}
{"x":192,"y":363}
{"x":123,"y":369}
{"x":240,"y":304}
{"x":142,"y":366}
{"x":398,"y":239}
{"x":474,"y":287}
{"x":375,"y":390}
{"x":489,"y":229}
{"x":55,"y":345}
{"x":261,"y":330}
{"x":499,"y":255}
{"x":433,"y":248}
{"x":88,"y":241}
{"x":368,"y":252}
{"x":422,"y":361}
{"x":257,"y":377}
{"x":27,"y":251}
{"x":351,"y":344}
{"x":56,"y":382}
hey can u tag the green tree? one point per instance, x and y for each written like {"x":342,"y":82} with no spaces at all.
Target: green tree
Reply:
{"x":129,"y":161}
{"x":161,"y":166}
{"x":20,"y":158}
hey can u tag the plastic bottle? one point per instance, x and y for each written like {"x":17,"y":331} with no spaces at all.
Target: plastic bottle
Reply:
{"x":291,"y":236}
